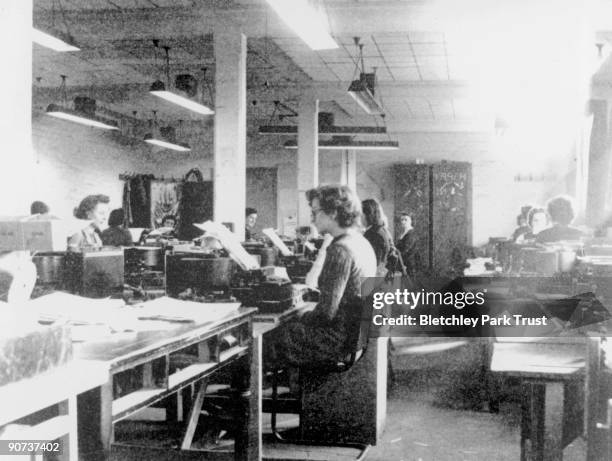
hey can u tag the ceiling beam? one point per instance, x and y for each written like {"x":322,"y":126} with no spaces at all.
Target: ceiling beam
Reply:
{"x":346,"y":18}
{"x":324,"y":91}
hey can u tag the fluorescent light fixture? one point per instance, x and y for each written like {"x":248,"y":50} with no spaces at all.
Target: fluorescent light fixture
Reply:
{"x":73,"y":116}
{"x":305,"y":21}
{"x":362,"y":91}
{"x":166,"y":137}
{"x":335,"y":144}
{"x":167,"y":145}
{"x":159,"y":89}
{"x":65,"y":43}
{"x":346,"y":130}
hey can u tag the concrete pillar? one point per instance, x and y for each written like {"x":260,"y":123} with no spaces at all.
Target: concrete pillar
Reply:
{"x":308,"y":153}
{"x":348,"y":169}
{"x":600,"y":163}
{"x":16,"y":108}
{"x":230,"y":128}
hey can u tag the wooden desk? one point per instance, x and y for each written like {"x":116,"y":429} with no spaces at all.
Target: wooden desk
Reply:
{"x":147,"y":352}
{"x":262,"y":323}
{"x":56,"y":386}
{"x":553,"y":383}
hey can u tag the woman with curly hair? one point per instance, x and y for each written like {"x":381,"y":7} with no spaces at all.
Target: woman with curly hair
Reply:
{"x":93,"y":208}
{"x":561,"y":214}
{"x":320,"y":335}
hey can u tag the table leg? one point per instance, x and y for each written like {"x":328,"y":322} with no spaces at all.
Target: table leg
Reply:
{"x":544,"y":426}
{"x":248,"y":438}
{"x":95,"y":422}
{"x":70,"y":448}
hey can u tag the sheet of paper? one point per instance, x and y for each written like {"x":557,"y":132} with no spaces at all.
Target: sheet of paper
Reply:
{"x":172,"y":309}
{"x":161,"y":231}
{"x":278,"y":243}
{"x":78,"y":309}
{"x":230,"y":242}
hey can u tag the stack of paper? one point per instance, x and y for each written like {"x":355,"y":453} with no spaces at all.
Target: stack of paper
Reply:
{"x":176,"y":310}
{"x":76,"y":309}
{"x":278,"y":243}
{"x":230,"y":242}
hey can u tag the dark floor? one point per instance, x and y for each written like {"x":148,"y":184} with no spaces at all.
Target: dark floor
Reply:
{"x":426,"y":421}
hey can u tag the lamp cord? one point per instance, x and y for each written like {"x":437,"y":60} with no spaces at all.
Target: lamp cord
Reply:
{"x":167,"y":49}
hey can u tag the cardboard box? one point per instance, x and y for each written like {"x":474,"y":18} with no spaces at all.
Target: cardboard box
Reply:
{"x":33,"y":234}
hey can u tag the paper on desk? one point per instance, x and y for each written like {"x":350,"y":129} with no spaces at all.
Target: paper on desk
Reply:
{"x":78,"y":310}
{"x":230,"y":242}
{"x":278,"y":243}
{"x":161,"y":231}
{"x":176,"y":310}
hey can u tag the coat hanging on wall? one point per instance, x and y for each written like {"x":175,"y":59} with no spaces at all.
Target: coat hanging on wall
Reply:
{"x":137,"y":200}
{"x":196,"y":204}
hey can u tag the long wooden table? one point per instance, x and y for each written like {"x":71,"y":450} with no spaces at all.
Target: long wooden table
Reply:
{"x":59,"y":386}
{"x":149,"y":354}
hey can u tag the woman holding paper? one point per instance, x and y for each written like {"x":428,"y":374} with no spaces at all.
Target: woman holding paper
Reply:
{"x":319,"y":335}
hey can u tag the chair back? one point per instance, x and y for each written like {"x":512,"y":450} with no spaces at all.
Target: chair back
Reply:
{"x":359,"y":319}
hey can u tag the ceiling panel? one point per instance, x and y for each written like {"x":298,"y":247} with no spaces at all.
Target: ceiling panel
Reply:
{"x":384,"y":74}
{"x":429,"y":49}
{"x":425,"y":37}
{"x":322,"y":73}
{"x":344,"y":72}
{"x":405,"y":72}
{"x":434,"y":72}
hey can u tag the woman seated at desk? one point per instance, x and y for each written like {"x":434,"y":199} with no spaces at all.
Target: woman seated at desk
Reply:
{"x":93,"y":208}
{"x":538,"y":221}
{"x":376,"y":233}
{"x":561,"y":214}
{"x":116,"y":235}
{"x":319,"y":336}
{"x":250,"y":219}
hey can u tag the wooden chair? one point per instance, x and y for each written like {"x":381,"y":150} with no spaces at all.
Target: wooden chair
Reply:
{"x":354,"y":348}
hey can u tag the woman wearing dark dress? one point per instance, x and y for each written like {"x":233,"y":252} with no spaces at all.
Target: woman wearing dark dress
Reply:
{"x":116,"y":235}
{"x":319,"y":336}
{"x":376,"y":233}
{"x":561,"y":214}
{"x":407,"y":245}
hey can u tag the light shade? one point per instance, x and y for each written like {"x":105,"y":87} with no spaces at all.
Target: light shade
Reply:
{"x":362,"y":91}
{"x":159,"y":89}
{"x":167,"y":144}
{"x":305,"y":21}
{"x":346,"y":130}
{"x":84,"y":119}
{"x":335,"y":144}
{"x":165,"y":137}
{"x":59,"y":41}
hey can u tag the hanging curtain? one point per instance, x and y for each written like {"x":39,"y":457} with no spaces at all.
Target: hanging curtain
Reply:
{"x":165,"y":197}
{"x":137,"y":201}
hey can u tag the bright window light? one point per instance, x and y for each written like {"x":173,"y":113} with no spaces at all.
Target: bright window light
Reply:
{"x":51,"y":42}
{"x":306,"y":22}
{"x":183,"y":102}
{"x":167,"y":145}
